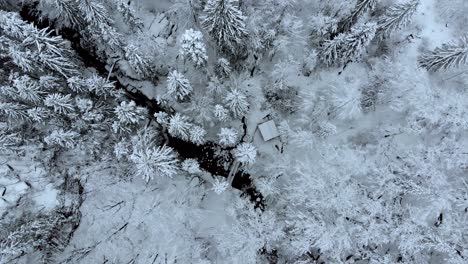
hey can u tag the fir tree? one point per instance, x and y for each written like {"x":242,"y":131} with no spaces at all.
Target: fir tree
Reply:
{"x":228,"y":137}
{"x":178,"y":86}
{"x":191,"y":166}
{"x":154,"y":161}
{"x":13,"y":111}
{"x":139,"y":63}
{"x":348,"y":47}
{"x":179,"y":126}
{"x":129,"y":15}
{"x":237,"y":103}
{"x":448,"y":56}
{"x":38,"y":114}
{"x":223,"y":68}
{"x":94,"y":12}
{"x":129,"y":113}
{"x":100,"y":86}
{"x":362,"y":6}
{"x":197,"y":135}
{"x":64,"y":12}
{"x":397,"y":17}
{"x":245,"y":153}
{"x":225,"y":23}
{"x":221,"y":113}
{"x":28,"y":90}
{"x":193,"y":48}
{"x":66,"y":139}
{"x":61,"y":104}
{"x":220,"y":185}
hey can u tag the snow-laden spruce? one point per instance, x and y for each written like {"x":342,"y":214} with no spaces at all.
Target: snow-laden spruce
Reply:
{"x":396,"y":17}
{"x":228,"y":137}
{"x":179,"y":126}
{"x":193,"y":47}
{"x":237,"y":102}
{"x":178,"y":86}
{"x":348,"y":47}
{"x":66,"y":139}
{"x":153,"y":162}
{"x":225,"y":24}
{"x":245,"y":153}
{"x":450,"y":55}
{"x":221,"y":113}
{"x":129,"y":113}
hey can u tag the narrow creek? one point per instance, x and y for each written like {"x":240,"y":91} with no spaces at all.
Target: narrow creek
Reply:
{"x":204,"y":154}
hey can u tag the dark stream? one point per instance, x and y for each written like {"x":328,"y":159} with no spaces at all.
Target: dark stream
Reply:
{"x":204,"y":154}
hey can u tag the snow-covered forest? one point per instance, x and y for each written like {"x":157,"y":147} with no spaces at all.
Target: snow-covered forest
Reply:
{"x":233,"y":131}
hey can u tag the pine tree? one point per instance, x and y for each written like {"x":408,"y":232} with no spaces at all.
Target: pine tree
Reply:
{"x":225,"y":23}
{"x":13,"y":111}
{"x":179,"y":126}
{"x":94,"y":12}
{"x":220,"y":185}
{"x":237,"y":103}
{"x":28,"y":90}
{"x":178,"y":86}
{"x":228,"y":137}
{"x":197,"y":135}
{"x":121,"y":150}
{"x":129,"y":15}
{"x":38,"y":114}
{"x":64,"y":12}
{"x":139,"y":63}
{"x":245,"y":153}
{"x":129,"y":113}
{"x":66,"y":139}
{"x":448,"y":56}
{"x":397,"y":17}
{"x":223,"y":68}
{"x":61,"y":104}
{"x":154,"y":161}
{"x":162,"y":118}
{"x":362,"y":6}
{"x":100,"y":86}
{"x":35,"y":49}
{"x":221,"y":113}
{"x":193,"y":48}
{"x":191,"y":166}
{"x":348,"y":47}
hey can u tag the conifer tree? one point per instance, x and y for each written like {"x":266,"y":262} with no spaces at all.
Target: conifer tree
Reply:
{"x":13,"y":111}
{"x":178,"y":86}
{"x":348,"y":47}
{"x":237,"y":103}
{"x":94,"y":12}
{"x":61,"y":104}
{"x":153,"y":161}
{"x":66,"y":139}
{"x":245,"y":153}
{"x":129,"y":113}
{"x":225,"y":23}
{"x":397,"y":17}
{"x":362,"y":6}
{"x":191,"y":166}
{"x":228,"y":137}
{"x":139,"y":63}
{"x":197,"y":135}
{"x":223,"y":68}
{"x":179,"y":126}
{"x":450,"y":55}
{"x":193,"y":48}
{"x":221,"y":113}
{"x":129,"y":15}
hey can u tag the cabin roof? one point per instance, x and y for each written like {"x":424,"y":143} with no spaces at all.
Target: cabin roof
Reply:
{"x":268,"y":130}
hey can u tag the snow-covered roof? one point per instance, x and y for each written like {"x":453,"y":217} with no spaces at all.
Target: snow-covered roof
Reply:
{"x":268,"y":130}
